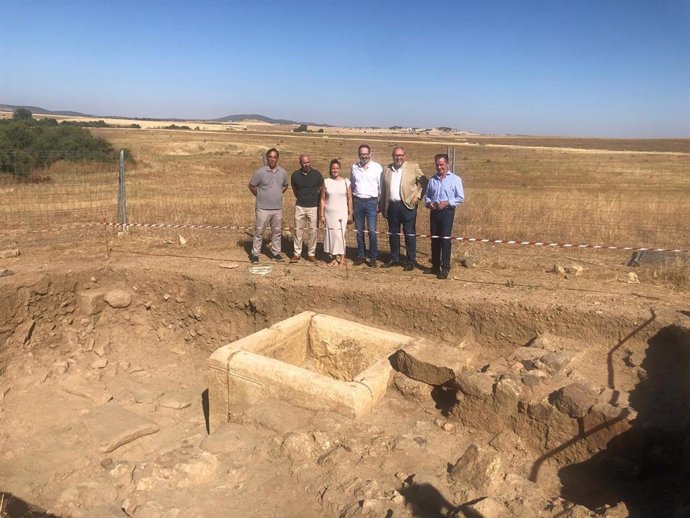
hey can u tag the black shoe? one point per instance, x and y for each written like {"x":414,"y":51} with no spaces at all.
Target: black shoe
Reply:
{"x":359,"y":261}
{"x":443,"y":274}
{"x":434,"y":270}
{"x":278,"y":258}
{"x":254,"y":259}
{"x":373,"y":263}
{"x":408,"y":267}
{"x":390,"y":264}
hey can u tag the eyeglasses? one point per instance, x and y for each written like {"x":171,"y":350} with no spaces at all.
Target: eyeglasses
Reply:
{"x":398,"y":156}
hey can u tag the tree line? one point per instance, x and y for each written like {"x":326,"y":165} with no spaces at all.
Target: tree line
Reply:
{"x":27,"y":144}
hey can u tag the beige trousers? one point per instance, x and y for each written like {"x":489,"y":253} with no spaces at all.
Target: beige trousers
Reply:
{"x":306,"y":229}
{"x":272,"y":219}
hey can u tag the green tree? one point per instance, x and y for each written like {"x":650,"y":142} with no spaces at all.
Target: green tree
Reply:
{"x":22,"y":114}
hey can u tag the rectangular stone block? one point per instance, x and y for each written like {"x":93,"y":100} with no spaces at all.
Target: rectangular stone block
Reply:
{"x":90,"y":302}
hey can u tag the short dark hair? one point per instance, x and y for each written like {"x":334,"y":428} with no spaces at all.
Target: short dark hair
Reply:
{"x":334,"y":161}
{"x":359,"y":149}
{"x":273,"y":150}
{"x":441,"y":155}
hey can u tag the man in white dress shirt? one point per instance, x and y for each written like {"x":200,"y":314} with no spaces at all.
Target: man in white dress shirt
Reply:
{"x":365,"y":179}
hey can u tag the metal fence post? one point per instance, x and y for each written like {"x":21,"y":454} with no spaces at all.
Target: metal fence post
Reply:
{"x":122,"y":194}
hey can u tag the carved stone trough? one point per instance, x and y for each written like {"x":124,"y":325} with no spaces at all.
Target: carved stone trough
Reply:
{"x":310,"y":360}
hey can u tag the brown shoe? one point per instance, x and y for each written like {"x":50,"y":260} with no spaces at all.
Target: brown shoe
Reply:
{"x":311,"y":259}
{"x":295,"y":259}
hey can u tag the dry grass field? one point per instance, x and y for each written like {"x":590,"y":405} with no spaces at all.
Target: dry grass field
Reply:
{"x":591,"y":191}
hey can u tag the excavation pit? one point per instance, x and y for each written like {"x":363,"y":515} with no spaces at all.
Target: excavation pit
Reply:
{"x":310,"y":360}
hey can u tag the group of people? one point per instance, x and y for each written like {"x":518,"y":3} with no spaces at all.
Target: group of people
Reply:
{"x":394,"y":191}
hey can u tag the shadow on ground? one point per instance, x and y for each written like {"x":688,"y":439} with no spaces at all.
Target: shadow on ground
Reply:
{"x":14,"y":507}
{"x":647,"y":467}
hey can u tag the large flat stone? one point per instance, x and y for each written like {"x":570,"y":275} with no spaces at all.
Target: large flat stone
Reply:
{"x":111,"y":426}
{"x":431,"y":363}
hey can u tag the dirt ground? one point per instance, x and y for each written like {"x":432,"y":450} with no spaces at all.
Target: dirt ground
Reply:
{"x":104,"y":406}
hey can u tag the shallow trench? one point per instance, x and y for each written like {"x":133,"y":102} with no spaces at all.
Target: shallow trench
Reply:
{"x":41,"y":324}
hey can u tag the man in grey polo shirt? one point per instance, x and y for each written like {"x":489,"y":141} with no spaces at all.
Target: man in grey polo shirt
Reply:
{"x":268,"y":183}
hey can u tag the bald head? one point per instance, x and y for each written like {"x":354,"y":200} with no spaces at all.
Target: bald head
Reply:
{"x":305,"y":163}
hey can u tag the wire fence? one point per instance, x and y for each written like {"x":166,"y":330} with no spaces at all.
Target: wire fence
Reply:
{"x":72,"y":201}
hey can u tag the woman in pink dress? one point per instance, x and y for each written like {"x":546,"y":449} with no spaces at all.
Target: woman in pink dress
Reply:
{"x":336,"y":213}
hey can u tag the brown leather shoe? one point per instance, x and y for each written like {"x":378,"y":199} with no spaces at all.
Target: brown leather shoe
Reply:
{"x":311,"y":259}
{"x":295,"y":259}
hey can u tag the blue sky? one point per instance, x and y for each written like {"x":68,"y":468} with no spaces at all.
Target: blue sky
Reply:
{"x":543,"y":67}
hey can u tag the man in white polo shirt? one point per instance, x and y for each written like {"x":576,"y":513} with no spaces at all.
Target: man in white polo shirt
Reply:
{"x":366,"y":187}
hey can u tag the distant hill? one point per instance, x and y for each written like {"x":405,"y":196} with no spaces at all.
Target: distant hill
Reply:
{"x":227,"y":118}
{"x":262,"y":118}
{"x":42,"y":111}
{"x":253,"y":116}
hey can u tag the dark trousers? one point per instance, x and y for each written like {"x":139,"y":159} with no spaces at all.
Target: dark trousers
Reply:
{"x":366,"y":211}
{"x":399,"y":215}
{"x":441,"y":226}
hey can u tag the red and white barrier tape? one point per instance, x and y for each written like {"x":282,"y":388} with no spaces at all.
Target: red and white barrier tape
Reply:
{"x":546,"y":244}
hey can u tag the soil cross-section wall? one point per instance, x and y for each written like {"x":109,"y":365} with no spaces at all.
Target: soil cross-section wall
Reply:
{"x":83,"y":347}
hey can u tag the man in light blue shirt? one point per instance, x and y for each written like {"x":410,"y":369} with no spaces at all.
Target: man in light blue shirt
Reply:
{"x":443,"y":194}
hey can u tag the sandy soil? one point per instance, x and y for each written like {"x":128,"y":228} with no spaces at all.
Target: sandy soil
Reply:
{"x":67,"y":372}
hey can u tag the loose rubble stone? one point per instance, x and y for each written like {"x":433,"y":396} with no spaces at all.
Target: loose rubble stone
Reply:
{"x":478,"y":468}
{"x":574,"y":400}
{"x":635,"y":358}
{"x":186,"y":466}
{"x":507,"y":441}
{"x":574,"y":269}
{"x":487,"y":508}
{"x":83,"y":499}
{"x":498,"y":366}
{"x":632,"y":278}
{"x":60,"y":368}
{"x":118,"y":298}
{"x":298,"y":446}
{"x":534,"y":377}
{"x":175,"y":401}
{"x":4,"y":272}
{"x":111,"y":426}
{"x":413,"y":390}
{"x":469,"y":262}
{"x":557,"y":361}
{"x":476,"y":384}
{"x":9,"y":252}
{"x":522,"y":354}
{"x":100,"y":363}
{"x":507,"y":394}
{"x":431,"y":363}
{"x":90,"y":302}
{"x":557,"y":269}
